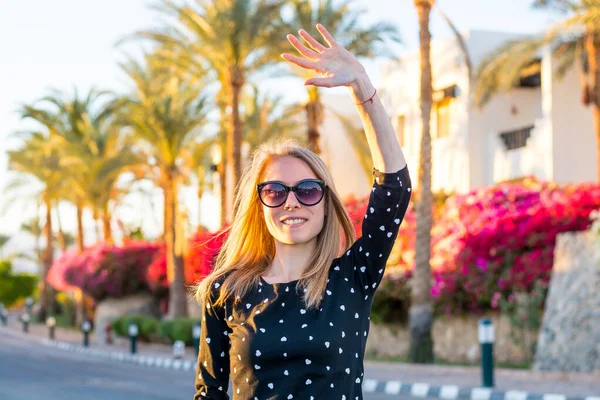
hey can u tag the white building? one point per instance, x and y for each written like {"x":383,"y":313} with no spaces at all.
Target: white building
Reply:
{"x":540,"y":128}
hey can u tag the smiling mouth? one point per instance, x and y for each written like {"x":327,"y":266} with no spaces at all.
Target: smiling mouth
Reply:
{"x":294,"y":222}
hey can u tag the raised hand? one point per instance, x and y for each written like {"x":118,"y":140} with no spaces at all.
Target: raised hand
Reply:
{"x":335,"y":65}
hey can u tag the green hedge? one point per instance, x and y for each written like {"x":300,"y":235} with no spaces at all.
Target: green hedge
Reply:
{"x":146,"y":326}
{"x":177,"y":329}
{"x":149,"y":327}
{"x":14,"y":287}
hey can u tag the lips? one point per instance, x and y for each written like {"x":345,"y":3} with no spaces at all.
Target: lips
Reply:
{"x":294,"y":222}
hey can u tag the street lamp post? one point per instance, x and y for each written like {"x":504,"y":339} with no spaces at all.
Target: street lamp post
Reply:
{"x":86,"y":327}
{"x":133,"y":332}
{"x":51,"y":323}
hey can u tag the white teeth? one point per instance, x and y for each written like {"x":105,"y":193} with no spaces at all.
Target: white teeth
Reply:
{"x":293,"y":221}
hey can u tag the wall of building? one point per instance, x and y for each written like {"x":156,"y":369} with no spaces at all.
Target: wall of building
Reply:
{"x":575,"y":153}
{"x":337,"y":151}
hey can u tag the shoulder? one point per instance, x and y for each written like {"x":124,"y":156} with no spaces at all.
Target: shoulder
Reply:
{"x":217,"y":282}
{"x":383,"y":178}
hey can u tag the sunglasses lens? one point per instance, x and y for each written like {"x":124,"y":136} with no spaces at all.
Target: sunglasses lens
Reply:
{"x":272,"y":194}
{"x":309,"y":193}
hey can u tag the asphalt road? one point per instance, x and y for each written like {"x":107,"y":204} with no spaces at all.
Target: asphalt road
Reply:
{"x":32,"y":371}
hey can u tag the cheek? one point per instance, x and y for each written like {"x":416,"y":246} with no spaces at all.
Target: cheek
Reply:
{"x":269,"y":218}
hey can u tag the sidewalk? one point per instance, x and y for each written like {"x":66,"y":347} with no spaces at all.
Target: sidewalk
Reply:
{"x":120,"y":344}
{"x":506,"y":380}
{"x":387,"y":377}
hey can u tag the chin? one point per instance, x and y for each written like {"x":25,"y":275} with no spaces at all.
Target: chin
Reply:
{"x":295,"y":238}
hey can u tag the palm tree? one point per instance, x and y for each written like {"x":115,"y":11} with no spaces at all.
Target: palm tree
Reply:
{"x":88,"y":134}
{"x":165,"y":114}
{"x":40,"y":158}
{"x":342,"y":22}
{"x":266,"y":118}
{"x":71,"y":121}
{"x":575,"y":41}
{"x":83,"y":128}
{"x":233,"y":39}
{"x":421,"y":311}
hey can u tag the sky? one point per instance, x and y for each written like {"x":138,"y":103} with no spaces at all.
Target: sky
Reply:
{"x":67,"y":44}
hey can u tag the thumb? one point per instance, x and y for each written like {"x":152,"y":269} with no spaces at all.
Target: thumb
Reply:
{"x":322,"y":82}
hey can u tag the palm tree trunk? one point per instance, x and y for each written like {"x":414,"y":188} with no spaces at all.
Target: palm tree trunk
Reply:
{"x":421,"y":311}
{"x":46,"y":294}
{"x":62,"y":242}
{"x":314,"y":116}
{"x":592,"y":45}
{"x":80,"y":238}
{"x":106,"y":229}
{"x":234,"y":137}
{"x":35,"y":226}
{"x":175,"y":268}
{"x":223,"y":192}
{"x":81,"y":314}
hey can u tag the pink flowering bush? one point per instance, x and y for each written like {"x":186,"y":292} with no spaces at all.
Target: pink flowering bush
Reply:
{"x":198,"y":261}
{"x":105,"y":270}
{"x":486,"y":244}
{"x":56,"y":274}
{"x":498,"y":240}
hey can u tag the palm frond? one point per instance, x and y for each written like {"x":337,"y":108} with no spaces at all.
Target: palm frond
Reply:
{"x":501,"y":69}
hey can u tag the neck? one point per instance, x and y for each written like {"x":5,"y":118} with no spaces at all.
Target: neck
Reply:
{"x":290,"y":261}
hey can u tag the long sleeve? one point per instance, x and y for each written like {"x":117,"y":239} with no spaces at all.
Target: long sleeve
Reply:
{"x":212,"y":371}
{"x":365,"y":261}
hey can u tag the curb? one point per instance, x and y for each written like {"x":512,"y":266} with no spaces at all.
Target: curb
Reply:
{"x":453,"y":392}
{"x":119,"y":356}
{"x":419,"y":390}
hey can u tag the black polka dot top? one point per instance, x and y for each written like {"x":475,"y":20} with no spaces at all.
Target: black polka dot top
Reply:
{"x":271,"y":347}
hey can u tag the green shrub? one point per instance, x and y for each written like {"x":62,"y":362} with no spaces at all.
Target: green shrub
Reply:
{"x":15,"y":287}
{"x":150,"y":328}
{"x":67,"y":306}
{"x":147,"y":326}
{"x":178,"y":329}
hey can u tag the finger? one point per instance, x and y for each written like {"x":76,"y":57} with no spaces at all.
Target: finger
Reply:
{"x":326,"y":35}
{"x":302,"y":49}
{"x":312,"y":41}
{"x":322,"y":82}
{"x":299,"y":61}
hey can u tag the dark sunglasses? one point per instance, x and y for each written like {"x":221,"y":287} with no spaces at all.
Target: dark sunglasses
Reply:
{"x":309,"y":192}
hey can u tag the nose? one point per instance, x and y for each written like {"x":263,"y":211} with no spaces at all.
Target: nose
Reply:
{"x":291,"y":202}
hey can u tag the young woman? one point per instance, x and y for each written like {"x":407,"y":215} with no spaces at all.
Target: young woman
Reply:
{"x":286,"y":309}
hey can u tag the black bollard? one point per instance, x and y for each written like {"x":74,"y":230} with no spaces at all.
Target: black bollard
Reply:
{"x":25,"y":321}
{"x":29,"y":304}
{"x":486,"y":339}
{"x":196,"y":335}
{"x":133,"y":332}
{"x":51,"y":323}
{"x":86,"y":327}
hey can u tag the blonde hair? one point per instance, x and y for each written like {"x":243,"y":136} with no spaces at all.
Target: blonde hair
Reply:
{"x":250,"y":248}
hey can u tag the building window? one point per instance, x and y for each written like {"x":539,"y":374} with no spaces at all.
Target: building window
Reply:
{"x":400,"y":128}
{"x":442,"y":118}
{"x":516,"y":138}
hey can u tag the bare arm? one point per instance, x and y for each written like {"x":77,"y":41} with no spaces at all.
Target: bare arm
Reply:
{"x":336,"y":66}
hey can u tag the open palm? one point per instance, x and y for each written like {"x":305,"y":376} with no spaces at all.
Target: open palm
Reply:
{"x":335,"y":65}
